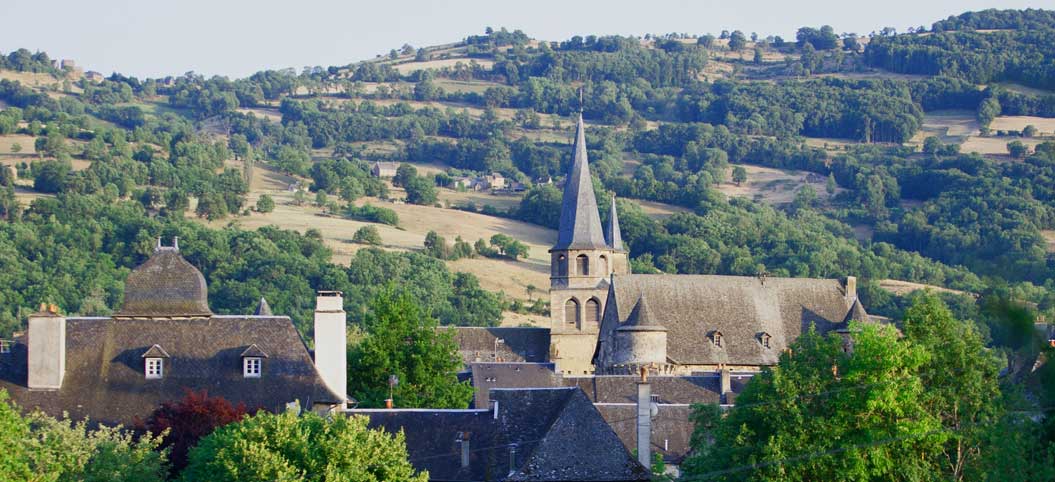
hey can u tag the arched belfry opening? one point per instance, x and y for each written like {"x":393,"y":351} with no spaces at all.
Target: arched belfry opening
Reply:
{"x":582,"y":265}
{"x":593,"y":311}
{"x":571,"y":312}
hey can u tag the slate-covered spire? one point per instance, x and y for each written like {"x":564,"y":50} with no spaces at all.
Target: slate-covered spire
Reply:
{"x":857,"y":313}
{"x":580,"y":222}
{"x":642,"y":318}
{"x":612,"y":234}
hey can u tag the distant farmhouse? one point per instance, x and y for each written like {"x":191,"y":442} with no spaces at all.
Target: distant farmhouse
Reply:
{"x":165,"y":340}
{"x":384,"y":169}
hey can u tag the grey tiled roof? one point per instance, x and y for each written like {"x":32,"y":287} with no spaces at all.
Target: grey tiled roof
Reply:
{"x":548,"y":434}
{"x":165,"y":285}
{"x":477,"y":344}
{"x":694,"y":307}
{"x":857,"y":313}
{"x":612,"y":234}
{"x":105,"y":370}
{"x":580,"y":223}
{"x":665,"y":389}
{"x":671,"y":428}
{"x":642,"y":318}
{"x":486,"y":376}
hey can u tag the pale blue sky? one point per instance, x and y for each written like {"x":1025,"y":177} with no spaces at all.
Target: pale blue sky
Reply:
{"x":239,"y":37}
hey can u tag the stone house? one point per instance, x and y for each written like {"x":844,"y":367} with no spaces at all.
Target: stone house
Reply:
{"x":165,"y":340}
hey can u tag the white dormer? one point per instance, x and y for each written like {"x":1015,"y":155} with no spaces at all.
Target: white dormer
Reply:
{"x":154,"y":362}
{"x":253,"y":362}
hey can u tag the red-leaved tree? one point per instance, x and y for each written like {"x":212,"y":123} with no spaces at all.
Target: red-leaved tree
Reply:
{"x":188,"y":420}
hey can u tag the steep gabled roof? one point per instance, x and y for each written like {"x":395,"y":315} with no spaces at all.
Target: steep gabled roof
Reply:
{"x":576,"y":445}
{"x":612,"y":234}
{"x":519,"y":344}
{"x":486,"y":376}
{"x":741,"y":308}
{"x":155,"y":351}
{"x":104,"y":366}
{"x":580,"y":222}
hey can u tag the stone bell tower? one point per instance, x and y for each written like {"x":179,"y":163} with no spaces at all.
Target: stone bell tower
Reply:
{"x":581,"y":263}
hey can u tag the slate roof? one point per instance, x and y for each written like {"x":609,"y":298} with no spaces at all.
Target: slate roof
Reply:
{"x":665,"y":389}
{"x":486,"y":376}
{"x":612,"y":234}
{"x":166,"y":285}
{"x":105,"y":369}
{"x":741,"y":308}
{"x":554,"y":435}
{"x":580,"y":222}
{"x":671,"y":428}
{"x":477,"y":344}
{"x":857,"y":313}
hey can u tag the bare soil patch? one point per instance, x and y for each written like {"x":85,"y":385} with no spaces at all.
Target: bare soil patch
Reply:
{"x":1049,"y":236}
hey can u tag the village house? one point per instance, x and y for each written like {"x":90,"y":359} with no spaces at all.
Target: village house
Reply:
{"x":384,"y":170}
{"x":93,"y":76}
{"x":165,"y":340}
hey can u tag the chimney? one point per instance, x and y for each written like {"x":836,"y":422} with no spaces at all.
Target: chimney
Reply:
{"x":331,"y":342}
{"x":463,"y":437}
{"x":727,"y":384}
{"x":644,"y":420}
{"x":851,"y":289}
{"x":47,"y":349}
{"x":512,"y":459}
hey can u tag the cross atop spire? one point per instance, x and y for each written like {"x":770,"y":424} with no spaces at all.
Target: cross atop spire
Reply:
{"x":580,"y":223}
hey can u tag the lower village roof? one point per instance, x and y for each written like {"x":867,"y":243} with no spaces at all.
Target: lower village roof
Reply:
{"x":742,"y":309}
{"x":547,"y":434}
{"x":519,"y":344}
{"x":105,"y":367}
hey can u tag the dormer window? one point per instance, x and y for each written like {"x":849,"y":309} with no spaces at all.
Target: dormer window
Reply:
{"x":251,"y":367}
{"x":716,"y":338}
{"x":155,"y":368}
{"x":253,"y":362}
{"x":764,"y":339}
{"x":154,"y":362}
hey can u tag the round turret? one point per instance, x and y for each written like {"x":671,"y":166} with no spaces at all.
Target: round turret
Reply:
{"x":641,"y":340}
{"x":166,"y":285}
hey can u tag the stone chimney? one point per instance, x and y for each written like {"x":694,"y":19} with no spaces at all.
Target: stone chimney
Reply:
{"x":851,"y":290}
{"x":644,"y":420}
{"x":47,"y":349}
{"x":331,"y":342}
{"x":727,"y":384}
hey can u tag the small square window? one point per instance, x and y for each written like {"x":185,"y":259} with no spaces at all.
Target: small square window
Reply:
{"x":251,"y":367}
{"x":155,"y":368}
{"x":5,"y":346}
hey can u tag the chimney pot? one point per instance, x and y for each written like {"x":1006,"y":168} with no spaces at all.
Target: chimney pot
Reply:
{"x":644,"y":422}
{"x":331,"y":342}
{"x":388,"y":403}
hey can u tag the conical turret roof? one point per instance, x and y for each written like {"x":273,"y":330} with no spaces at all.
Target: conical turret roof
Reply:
{"x":612,"y":235}
{"x":642,"y":318}
{"x":580,"y":223}
{"x":856,"y":313}
{"x":263,"y":309}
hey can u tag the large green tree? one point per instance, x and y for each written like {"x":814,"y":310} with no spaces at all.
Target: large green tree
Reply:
{"x":825,"y":413}
{"x":402,"y":340}
{"x":960,"y":379}
{"x":288,"y":447}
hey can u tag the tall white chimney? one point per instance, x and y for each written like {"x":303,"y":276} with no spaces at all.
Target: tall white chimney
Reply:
{"x":331,"y":341}
{"x":644,"y":420}
{"x":47,"y":349}
{"x":851,"y":290}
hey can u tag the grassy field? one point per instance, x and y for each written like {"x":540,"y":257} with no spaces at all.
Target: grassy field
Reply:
{"x":1049,"y":236}
{"x":408,"y":67}
{"x":899,"y":287}
{"x":994,"y":146}
{"x":773,"y":186}
{"x":451,"y":85}
{"x":951,"y":126}
{"x":1045,"y":126}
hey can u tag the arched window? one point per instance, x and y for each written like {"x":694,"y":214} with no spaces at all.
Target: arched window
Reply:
{"x":571,"y":311}
{"x":583,"y":264}
{"x":602,"y":267}
{"x":562,"y":265}
{"x":593,"y":311}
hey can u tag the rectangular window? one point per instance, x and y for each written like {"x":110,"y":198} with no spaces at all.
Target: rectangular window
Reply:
{"x":5,"y":346}
{"x":251,"y":367}
{"x":155,"y":368}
